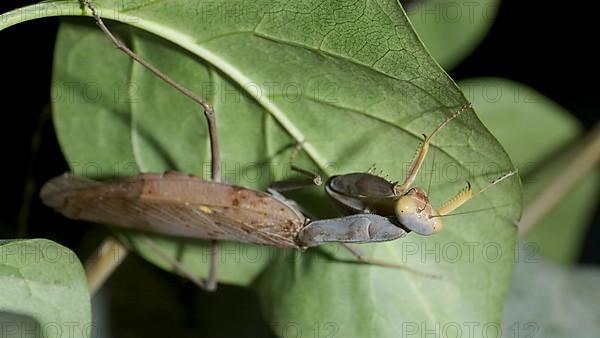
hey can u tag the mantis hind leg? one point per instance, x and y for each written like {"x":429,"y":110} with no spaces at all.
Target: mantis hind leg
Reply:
{"x":208,"y":284}
{"x":361,"y":257}
{"x":112,"y":252}
{"x":209,"y":114}
{"x":211,"y":281}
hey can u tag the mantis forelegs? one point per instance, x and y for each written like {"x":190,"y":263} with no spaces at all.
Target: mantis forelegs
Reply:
{"x":422,"y":150}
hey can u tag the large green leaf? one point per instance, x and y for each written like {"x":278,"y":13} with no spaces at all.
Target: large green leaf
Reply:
{"x":43,"y":281}
{"x":350,"y":79}
{"x":451,"y":29}
{"x":509,"y":109}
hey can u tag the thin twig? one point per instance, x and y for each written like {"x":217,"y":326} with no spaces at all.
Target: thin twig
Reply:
{"x":111,"y":254}
{"x":584,"y":162}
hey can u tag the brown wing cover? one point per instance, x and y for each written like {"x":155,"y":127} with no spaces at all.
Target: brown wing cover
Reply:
{"x":179,"y":205}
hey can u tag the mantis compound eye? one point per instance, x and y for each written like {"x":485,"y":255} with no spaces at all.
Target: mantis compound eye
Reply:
{"x":417,"y":215}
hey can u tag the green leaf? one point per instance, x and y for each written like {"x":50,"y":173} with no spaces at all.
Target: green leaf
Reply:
{"x":548,"y":300}
{"x":450,"y":29}
{"x":509,"y":109}
{"x":43,"y":281}
{"x":354,"y":83}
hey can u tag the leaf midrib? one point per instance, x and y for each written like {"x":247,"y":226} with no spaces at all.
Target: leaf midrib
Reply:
{"x":186,"y":42}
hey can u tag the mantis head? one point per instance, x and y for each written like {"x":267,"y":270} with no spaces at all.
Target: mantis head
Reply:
{"x":414,"y":211}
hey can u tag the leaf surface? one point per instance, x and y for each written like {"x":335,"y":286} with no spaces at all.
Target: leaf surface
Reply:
{"x":44,"y":290}
{"x":349,"y":79}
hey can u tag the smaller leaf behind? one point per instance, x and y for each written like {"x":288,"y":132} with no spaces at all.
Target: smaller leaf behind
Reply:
{"x":511,"y":110}
{"x":552,"y":301}
{"x":463,"y":23}
{"x":43,"y":281}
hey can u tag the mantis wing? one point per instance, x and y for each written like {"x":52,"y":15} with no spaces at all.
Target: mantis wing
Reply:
{"x":177,"y":205}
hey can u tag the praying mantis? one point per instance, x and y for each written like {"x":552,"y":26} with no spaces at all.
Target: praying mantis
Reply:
{"x":182,"y":205}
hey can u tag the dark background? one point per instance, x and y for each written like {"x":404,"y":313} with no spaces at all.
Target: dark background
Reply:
{"x":530,"y":42}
